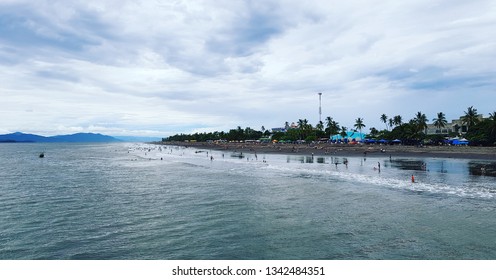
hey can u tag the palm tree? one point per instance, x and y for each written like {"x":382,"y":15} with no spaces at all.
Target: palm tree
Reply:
{"x":440,"y":121}
{"x":359,"y":125}
{"x":384,"y":119}
{"x":344,"y":132}
{"x":307,"y":125}
{"x":492,"y":118}
{"x":304,"y":127}
{"x":302,"y":124}
{"x":420,"y":121}
{"x":320,"y":127}
{"x":373,"y":132}
{"x":332,"y":127}
{"x":328,"y":122}
{"x":470,"y":118}
{"x":391,"y":123}
{"x":398,"y":120}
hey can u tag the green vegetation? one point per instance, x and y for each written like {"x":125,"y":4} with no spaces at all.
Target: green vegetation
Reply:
{"x":359,"y":124}
{"x":237,"y":134}
{"x":440,"y":121}
{"x":483,"y":132}
{"x":478,"y":130}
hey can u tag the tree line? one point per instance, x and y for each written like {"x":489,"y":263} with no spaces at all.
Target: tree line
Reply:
{"x":479,"y":131}
{"x":238,"y":134}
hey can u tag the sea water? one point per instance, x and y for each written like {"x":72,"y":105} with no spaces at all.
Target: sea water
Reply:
{"x":141,"y":201}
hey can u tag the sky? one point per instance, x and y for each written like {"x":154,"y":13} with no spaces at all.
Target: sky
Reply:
{"x":158,"y":68}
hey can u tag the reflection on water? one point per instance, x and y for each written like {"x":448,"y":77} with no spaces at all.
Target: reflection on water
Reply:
{"x":237,"y":155}
{"x":482,"y":168}
{"x":309,"y":159}
{"x":477,"y":168}
{"x":444,"y":166}
{"x":315,"y":159}
{"x":408,"y":164}
{"x":304,"y":159}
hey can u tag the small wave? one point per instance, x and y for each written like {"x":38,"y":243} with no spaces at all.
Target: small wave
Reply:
{"x":390,"y":178}
{"x":462,"y":190}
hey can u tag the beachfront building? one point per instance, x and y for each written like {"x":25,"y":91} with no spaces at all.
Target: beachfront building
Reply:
{"x":279,"y":129}
{"x":350,"y":137}
{"x":455,"y":126}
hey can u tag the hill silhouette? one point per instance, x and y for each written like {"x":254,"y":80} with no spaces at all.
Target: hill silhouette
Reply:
{"x":19,"y":137}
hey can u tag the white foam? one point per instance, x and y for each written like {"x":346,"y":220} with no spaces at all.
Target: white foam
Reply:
{"x":390,"y":177}
{"x":382,"y":180}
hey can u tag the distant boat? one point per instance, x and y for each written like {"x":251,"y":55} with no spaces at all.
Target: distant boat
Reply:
{"x":42,"y":155}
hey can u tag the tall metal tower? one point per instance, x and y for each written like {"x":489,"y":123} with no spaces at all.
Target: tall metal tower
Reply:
{"x":320,"y":107}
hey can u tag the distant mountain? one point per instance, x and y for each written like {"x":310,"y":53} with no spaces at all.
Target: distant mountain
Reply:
{"x":22,"y":137}
{"x":19,"y":137}
{"x":84,"y":137}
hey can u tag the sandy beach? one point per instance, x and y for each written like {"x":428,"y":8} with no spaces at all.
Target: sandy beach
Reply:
{"x":373,"y":150}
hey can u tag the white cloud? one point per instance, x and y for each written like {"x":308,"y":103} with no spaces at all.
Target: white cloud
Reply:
{"x":156,"y":67}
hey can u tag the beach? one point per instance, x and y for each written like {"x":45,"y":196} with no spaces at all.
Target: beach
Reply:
{"x":372,"y":150}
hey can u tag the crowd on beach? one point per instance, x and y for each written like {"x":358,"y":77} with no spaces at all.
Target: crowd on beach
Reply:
{"x":488,"y":153}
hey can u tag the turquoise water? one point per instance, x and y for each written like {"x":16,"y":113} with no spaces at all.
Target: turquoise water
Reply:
{"x":134,"y":201}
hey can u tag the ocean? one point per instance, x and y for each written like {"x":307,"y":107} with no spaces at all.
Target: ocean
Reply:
{"x":142,"y":201}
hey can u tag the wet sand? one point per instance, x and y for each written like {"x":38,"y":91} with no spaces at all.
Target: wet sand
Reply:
{"x":373,"y":150}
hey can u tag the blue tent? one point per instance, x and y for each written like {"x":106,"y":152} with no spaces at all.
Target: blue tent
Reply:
{"x":459,"y":142}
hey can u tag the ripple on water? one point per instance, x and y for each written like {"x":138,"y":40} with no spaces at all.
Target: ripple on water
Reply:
{"x":110,"y":202}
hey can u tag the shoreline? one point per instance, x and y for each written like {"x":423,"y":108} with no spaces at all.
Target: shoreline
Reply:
{"x":328,"y":149}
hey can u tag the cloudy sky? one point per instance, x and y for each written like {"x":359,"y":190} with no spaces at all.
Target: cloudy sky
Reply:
{"x":157,"y":68}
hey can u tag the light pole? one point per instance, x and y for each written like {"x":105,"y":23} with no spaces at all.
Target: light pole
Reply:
{"x":320,"y":107}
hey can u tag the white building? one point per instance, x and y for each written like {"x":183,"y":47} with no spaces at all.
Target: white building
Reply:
{"x":457,"y":126}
